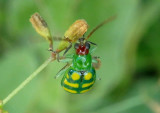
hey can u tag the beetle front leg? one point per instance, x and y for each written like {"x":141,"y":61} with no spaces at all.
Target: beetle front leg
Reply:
{"x":68,"y":48}
{"x":66,"y":59}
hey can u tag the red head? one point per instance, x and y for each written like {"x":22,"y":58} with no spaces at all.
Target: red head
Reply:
{"x":82,"y":48}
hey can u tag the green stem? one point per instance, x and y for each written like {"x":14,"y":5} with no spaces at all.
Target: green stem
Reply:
{"x":25,"y":82}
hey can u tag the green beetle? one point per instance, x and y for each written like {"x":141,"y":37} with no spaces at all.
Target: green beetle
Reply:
{"x":81,"y":75}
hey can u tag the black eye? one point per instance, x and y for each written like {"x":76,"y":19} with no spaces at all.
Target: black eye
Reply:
{"x":76,"y":45}
{"x":87,"y":45}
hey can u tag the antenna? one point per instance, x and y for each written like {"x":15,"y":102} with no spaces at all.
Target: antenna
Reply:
{"x":100,"y":25}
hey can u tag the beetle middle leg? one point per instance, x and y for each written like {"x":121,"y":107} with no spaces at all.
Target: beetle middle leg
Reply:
{"x":66,"y":59}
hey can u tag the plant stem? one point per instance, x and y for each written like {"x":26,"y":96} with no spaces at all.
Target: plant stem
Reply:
{"x":25,"y":82}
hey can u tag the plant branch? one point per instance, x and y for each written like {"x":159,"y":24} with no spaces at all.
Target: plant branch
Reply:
{"x":25,"y":82}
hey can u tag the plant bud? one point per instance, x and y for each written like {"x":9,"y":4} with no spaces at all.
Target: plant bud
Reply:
{"x":40,"y":26}
{"x":75,"y":31}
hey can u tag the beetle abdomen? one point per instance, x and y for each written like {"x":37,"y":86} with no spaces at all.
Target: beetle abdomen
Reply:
{"x":78,"y":81}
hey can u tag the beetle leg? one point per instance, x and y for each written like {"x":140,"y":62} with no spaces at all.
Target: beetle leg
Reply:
{"x":92,"y":43}
{"x":92,"y":49}
{"x":63,"y":39}
{"x":96,"y":62}
{"x":68,"y":48}
{"x":58,"y":57}
{"x":66,"y":59}
{"x":63,"y":59}
{"x":62,"y":71}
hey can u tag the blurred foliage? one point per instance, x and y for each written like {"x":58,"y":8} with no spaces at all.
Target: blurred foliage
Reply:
{"x":129,"y":49}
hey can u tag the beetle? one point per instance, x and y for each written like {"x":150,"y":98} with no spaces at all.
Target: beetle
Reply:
{"x":79,"y":72}
{"x":81,"y":75}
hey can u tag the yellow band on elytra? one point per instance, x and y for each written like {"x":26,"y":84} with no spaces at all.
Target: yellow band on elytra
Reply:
{"x":69,"y":90}
{"x":71,"y":84}
{"x":87,"y":84}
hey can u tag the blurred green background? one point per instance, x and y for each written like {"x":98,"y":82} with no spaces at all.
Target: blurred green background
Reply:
{"x":129,"y":48}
